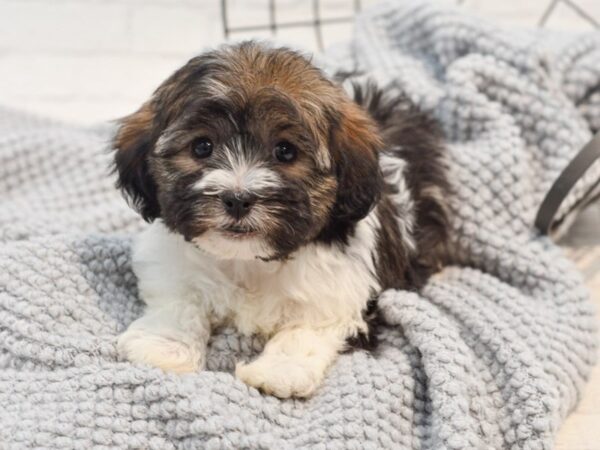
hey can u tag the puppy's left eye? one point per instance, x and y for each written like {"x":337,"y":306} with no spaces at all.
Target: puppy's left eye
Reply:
{"x":285,"y":152}
{"x":202,"y":147}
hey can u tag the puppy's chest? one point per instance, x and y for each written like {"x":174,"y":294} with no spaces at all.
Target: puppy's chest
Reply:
{"x":318,"y":286}
{"x":259,"y":301}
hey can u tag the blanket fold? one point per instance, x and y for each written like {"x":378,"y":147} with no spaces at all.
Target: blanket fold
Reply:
{"x":492,"y":353}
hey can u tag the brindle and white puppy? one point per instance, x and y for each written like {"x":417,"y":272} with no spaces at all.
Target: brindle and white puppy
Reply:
{"x":279,"y":206}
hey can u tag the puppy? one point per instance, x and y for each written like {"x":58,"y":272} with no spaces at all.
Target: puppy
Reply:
{"x":280,"y":206}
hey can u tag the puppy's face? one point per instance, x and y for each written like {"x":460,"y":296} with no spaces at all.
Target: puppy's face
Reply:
{"x":250,"y":152}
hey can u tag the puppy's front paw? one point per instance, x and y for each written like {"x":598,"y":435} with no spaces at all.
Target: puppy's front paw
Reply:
{"x":159,"y":351}
{"x":281,"y":375}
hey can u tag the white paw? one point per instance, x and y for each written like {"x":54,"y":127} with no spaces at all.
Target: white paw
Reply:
{"x":281,"y":375}
{"x":159,"y":351}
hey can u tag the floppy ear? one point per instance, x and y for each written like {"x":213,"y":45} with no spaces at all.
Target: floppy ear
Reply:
{"x":133,"y":143}
{"x":355,"y":144}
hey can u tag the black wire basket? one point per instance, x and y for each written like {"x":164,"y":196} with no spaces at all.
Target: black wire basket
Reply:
{"x":317,"y":22}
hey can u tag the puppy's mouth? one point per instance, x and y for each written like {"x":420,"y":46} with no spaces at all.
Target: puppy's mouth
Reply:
{"x":238,"y":232}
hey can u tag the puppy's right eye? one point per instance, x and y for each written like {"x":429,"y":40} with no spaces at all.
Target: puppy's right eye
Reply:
{"x":202,"y":147}
{"x":285,"y":152}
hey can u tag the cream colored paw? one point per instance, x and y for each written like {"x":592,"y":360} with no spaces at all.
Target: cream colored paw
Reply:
{"x":159,"y":351}
{"x":281,"y":375}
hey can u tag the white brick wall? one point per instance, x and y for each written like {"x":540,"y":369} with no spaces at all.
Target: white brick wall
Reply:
{"x":91,"y":60}
{"x":63,"y":25}
{"x":175,"y":29}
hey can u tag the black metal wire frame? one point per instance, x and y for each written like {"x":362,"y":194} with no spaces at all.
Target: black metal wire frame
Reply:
{"x":317,"y":21}
{"x":570,"y":4}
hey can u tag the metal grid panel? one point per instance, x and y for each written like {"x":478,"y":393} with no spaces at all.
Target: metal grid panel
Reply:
{"x":317,"y":22}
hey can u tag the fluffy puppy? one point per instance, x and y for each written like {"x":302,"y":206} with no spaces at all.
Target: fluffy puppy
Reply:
{"x":280,"y":206}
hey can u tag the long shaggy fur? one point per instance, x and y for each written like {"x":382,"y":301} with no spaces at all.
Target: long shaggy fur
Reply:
{"x":295,"y":247}
{"x":413,"y":211}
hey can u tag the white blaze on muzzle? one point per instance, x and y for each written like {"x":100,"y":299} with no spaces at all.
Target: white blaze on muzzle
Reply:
{"x":241,"y":175}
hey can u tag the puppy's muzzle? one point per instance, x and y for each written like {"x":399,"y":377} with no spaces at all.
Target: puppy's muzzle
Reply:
{"x":237,"y":204}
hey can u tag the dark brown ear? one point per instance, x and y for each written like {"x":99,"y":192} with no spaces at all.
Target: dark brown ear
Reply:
{"x":355,"y":145}
{"x":133,"y":143}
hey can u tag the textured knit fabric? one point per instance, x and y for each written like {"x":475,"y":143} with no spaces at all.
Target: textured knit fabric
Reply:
{"x":493,"y":353}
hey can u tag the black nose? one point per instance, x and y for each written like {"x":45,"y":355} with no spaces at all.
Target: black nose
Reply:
{"x":237,"y":204}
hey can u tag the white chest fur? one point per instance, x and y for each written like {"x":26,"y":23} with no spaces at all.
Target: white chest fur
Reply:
{"x":307,"y":306}
{"x":321,"y":285}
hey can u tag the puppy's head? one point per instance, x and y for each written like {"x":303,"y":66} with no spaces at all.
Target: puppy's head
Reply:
{"x":249,"y":152}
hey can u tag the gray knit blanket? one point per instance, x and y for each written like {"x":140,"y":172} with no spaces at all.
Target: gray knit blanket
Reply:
{"x":493,"y":353}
